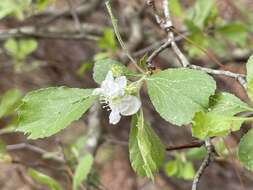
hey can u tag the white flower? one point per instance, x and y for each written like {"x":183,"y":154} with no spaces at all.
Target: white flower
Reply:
{"x":112,"y":93}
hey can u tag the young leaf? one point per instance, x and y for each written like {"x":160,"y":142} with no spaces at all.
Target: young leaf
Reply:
{"x":201,"y":11}
{"x":11,"y":45}
{"x":227,"y":104}
{"x":220,"y":119}
{"x":102,"y":67}
{"x":180,"y":168}
{"x":175,"y":8}
{"x":41,"y":4}
{"x":211,"y":124}
{"x":9,"y":102}
{"x":20,"y":48}
{"x":234,"y":32}
{"x":171,"y":168}
{"x":196,"y":153}
{"x":245,"y":151}
{"x":27,"y":46}
{"x":249,"y":77}
{"x":46,"y":111}
{"x":44,"y":179}
{"x":108,"y":41}
{"x":145,"y":149}
{"x":177,"y":94}
{"x":14,"y":8}
{"x":82,"y":170}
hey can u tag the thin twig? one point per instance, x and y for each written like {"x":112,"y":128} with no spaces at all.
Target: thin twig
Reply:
{"x":33,"y":148}
{"x":195,"y":144}
{"x":157,"y":52}
{"x":239,"y":77}
{"x":89,"y":32}
{"x":83,"y":9}
{"x":74,"y":14}
{"x":204,"y":164}
{"x":168,"y":26}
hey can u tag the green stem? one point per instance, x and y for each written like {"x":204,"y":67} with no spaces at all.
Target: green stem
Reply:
{"x":116,"y":30}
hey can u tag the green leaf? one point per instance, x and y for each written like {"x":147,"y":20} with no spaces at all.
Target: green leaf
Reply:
{"x":227,"y":104}
{"x":177,"y":94}
{"x":197,"y":36}
{"x":146,"y":151}
{"x":188,"y":171}
{"x":102,"y":67}
{"x":27,"y":46}
{"x":211,"y":124}
{"x":176,"y":8}
{"x":201,"y":12}
{"x":108,"y":41}
{"x":9,"y":102}
{"x":196,"y":153}
{"x":11,"y":45}
{"x":249,"y":77}
{"x":172,"y":168}
{"x":20,"y":48}
{"x":84,"y":68}
{"x":234,"y":32}
{"x":180,"y":168}
{"x":82,"y":170}
{"x":245,"y":151}
{"x":14,"y":8}
{"x":142,"y":62}
{"x":41,"y":4}
{"x":46,"y":111}
{"x":44,"y":179}
{"x":220,"y":119}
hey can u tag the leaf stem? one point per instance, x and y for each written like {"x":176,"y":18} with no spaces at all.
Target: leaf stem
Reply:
{"x":116,"y":30}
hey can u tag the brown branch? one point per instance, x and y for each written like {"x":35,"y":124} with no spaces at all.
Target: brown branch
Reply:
{"x":194,"y":144}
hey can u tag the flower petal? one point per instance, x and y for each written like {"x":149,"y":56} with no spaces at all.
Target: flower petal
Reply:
{"x":114,"y":116}
{"x":121,"y":81}
{"x":129,"y":105}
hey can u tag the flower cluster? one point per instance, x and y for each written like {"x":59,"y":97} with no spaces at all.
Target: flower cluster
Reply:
{"x":113,"y":93}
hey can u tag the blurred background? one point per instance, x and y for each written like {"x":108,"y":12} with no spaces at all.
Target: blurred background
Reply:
{"x":56,"y":42}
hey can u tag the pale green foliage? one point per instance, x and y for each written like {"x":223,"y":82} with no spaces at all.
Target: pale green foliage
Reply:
{"x":220,"y":119}
{"x":9,"y":102}
{"x":175,"y":8}
{"x":41,"y":4}
{"x":14,"y":8}
{"x":180,"y":168}
{"x":234,"y":32}
{"x":201,"y":11}
{"x":196,"y":153}
{"x":145,"y":149}
{"x":102,"y":67}
{"x":82,"y":170}
{"x":108,"y":41}
{"x":245,"y":151}
{"x":227,"y":104}
{"x":19,"y":49}
{"x":211,"y":124}
{"x":249,"y":77}
{"x":47,"y":111}
{"x":44,"y":179}
{"x":177,"y":94}
{"x":84,"y":68}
